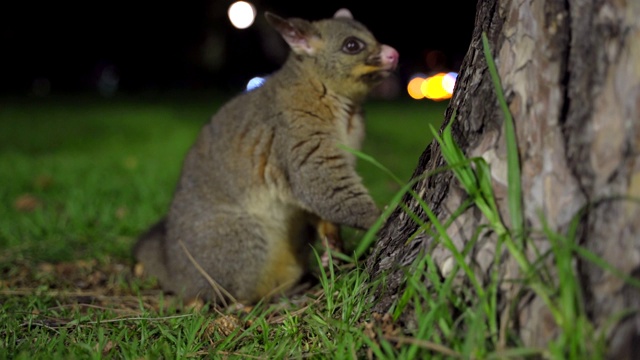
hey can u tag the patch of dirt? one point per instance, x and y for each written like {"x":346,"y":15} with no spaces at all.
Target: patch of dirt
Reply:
{"x":116,"y":285}
{"x":87,"y":283}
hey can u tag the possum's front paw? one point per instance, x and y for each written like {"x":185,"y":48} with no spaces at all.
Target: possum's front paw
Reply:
{"x":330,"y":234}
{"x":331,"y":242}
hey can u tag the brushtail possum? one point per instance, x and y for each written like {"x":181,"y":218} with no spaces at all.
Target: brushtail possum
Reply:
{"x":270,"y":169}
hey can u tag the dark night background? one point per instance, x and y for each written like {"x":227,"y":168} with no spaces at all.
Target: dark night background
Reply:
{"x":130,"y":46}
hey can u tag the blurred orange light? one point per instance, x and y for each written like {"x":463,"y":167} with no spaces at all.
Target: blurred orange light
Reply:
{"x":432,"y":88}
{"x":437,"y":87}
{"x":414,"y":88}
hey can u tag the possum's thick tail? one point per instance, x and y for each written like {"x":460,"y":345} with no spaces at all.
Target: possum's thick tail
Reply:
{"x":150,"y":253}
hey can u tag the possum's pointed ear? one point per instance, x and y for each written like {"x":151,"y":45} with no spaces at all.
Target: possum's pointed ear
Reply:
{"x":300,"y":34}
{"x":343,"y":13}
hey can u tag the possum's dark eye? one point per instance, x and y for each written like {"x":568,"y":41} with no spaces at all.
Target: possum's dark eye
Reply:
{"x":352,"y":45}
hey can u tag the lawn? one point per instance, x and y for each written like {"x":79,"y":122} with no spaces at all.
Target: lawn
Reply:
{"x":82,"y":177}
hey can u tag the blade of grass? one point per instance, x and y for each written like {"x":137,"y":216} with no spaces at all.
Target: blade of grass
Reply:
{"x":513,"y":162}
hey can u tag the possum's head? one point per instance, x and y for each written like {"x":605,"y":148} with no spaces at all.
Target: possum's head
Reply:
{"x":340,"y":52}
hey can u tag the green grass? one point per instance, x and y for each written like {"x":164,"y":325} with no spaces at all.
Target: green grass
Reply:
{"x":82,"y":177}
{"x":99,"y":170}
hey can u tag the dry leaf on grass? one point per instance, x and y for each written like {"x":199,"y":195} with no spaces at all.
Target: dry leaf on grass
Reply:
{"x":382,"y":323}
{"x":225,"y":325}
{"x":27,"y":203}
{"x":43,"y":181}
{"x":122,"y":212}
{"x":110,"y":345}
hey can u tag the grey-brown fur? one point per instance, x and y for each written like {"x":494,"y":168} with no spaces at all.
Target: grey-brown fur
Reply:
{"x":269,"y":167}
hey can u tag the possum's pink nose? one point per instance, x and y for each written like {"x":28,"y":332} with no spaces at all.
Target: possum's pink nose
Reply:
{"x":389,"y":57}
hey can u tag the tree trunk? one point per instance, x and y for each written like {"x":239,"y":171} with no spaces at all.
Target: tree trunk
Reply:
{"x":571,"y":75}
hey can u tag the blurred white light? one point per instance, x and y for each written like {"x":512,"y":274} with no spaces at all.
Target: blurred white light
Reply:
{"x":242,"y":14}
{"x":255,"y":83}
{"x":449,"y":82}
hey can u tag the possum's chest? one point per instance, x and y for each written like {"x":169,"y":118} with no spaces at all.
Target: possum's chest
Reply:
{"x":354,"y":130}
{"x":349,"y":123}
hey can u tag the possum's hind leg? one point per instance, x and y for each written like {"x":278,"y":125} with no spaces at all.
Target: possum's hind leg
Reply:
{"x":238,"y":255}
{"x":149,"y":253}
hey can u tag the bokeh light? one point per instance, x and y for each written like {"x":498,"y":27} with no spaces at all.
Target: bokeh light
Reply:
{"x":432,"y":87}
{"x":414,"y":87}
{"x":255,"y":83}
{"x":437,"y":87}
{"x":449,"y":82}
{"x":242,"y":14}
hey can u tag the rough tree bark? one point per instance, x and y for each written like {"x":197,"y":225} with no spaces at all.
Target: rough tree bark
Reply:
{"x":571,"y":74}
